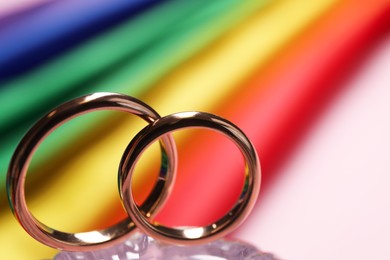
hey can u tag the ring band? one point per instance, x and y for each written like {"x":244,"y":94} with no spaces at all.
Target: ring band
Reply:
{"x":190,"y":235}
{"x":20,"y":161}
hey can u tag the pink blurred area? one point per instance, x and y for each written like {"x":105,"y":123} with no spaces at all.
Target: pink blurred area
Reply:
{"x":16,"y":6}
{"x":332,"y":199}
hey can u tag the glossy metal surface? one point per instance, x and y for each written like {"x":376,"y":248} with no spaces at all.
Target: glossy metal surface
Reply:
{"x":192,"y":235}
{"x":23,"y":154}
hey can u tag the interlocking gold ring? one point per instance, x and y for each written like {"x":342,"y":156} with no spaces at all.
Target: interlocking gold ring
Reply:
{"x":19,"y":164}
{"x":190,"y":235}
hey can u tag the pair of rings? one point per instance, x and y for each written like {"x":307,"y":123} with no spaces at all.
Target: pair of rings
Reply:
{"x":140,"y":217}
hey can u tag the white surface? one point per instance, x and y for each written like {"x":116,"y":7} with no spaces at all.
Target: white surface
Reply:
{"x":332,"y":200}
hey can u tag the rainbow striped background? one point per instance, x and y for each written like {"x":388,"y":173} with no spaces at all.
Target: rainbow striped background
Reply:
{"x":267,"y":66}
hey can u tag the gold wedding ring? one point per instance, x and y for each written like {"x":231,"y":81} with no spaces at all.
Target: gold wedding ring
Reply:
{"x":190,"y":235}
{"x":17,"y":171}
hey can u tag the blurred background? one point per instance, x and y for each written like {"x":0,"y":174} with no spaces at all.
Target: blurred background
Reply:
{"x":308,"y":82}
